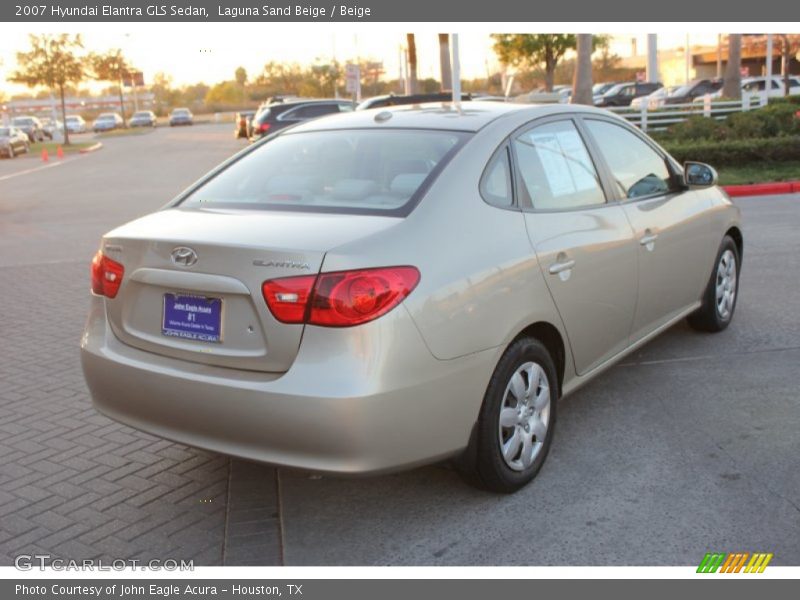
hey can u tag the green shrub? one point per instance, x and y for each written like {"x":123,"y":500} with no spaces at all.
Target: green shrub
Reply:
{"x":736,"y":152}
{"x":697,"y":127}
{"x":793,"y":100}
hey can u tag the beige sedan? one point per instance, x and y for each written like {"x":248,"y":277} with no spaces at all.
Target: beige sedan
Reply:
{"x":392,"y":287}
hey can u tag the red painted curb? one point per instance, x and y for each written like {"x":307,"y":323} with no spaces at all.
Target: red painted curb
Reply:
{"x":92,"y":148}
{"x":763,"y":189}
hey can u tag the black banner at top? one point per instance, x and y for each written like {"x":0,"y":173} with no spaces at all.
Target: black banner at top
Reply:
{"x":445,"y":11}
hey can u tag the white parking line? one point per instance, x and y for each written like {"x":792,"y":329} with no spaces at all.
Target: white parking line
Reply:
{"x":26,"y":171}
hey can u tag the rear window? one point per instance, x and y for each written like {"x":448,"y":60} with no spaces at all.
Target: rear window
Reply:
{"x":353,"y":171}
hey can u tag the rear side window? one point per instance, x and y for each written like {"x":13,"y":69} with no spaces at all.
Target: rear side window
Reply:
{"x":310,"y":111}
{"x":637,"y":168}
{"x":496,"y":183}
{"x":356,"y":171}
{"x":555,"y":167}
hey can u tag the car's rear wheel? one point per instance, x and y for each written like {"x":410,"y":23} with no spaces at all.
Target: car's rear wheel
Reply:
{"x":516,"y":422}
{"x":719,"y":299}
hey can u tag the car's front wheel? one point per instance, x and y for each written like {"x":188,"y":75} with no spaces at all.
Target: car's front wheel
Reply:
{"x":719,"y":298}
{"x":516,"y":422}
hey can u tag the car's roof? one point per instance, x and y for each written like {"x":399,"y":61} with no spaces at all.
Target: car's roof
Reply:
{"x":469,"y":116}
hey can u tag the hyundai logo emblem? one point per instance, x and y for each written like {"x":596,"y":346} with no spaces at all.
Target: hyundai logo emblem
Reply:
{"x":183,"y":256}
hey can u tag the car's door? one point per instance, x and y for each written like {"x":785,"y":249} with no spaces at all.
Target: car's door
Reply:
{"x":671,"y":224}
{"x":584,"y":244}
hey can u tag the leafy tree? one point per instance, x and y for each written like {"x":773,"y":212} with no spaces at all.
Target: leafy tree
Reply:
{"x":529,"y":50}
{"x":51,"y":62}
{"x":112,"y":67}
{"x":225,"y":93}
{"x":241,"y":76}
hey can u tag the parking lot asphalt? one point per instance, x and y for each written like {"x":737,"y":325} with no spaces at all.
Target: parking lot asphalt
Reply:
{"x":690,"y":445}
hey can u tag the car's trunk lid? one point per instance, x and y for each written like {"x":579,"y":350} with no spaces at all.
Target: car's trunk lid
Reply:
{"x":192,"y":283}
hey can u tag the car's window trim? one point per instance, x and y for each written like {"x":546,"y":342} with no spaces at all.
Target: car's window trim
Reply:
{"x":669,"y":162}
{"x":525,"y":202}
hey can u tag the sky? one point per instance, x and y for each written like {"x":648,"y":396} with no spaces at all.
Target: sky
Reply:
{"x":211,"y":52}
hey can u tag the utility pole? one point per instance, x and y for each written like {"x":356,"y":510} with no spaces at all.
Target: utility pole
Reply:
{"x":652,"y":58}
{"x":456,"y":63}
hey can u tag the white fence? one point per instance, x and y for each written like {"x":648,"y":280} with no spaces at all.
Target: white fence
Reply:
{"x":659,"y":118}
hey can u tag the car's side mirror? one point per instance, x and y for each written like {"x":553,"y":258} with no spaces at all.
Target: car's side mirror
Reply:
{"x":698,"y":175}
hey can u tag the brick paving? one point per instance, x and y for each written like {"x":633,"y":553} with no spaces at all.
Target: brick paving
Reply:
{"x":74,"y":484}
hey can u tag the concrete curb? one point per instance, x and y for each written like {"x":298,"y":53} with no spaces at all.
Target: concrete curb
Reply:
{"x":763,"y":189}
{"x":91,"y":148}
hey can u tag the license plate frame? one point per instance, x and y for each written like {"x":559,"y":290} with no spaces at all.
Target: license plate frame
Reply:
{"x":192,"y":317}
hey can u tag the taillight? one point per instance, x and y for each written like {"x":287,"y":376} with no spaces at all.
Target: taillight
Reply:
{"x":287,"y":298}
{"x":264,"y":127}
{"x":339,"y":299}
{"x":106,"y":275}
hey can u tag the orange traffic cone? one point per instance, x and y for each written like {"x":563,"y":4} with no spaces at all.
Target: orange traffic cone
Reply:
{"x":45,"y":157}
{"x":60,"y":152}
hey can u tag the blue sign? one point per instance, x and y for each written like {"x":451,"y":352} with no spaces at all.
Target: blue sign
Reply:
{"x":192,"y":317}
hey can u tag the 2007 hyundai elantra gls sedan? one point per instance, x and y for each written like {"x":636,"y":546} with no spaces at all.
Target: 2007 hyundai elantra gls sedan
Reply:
{"x":383,"y":289}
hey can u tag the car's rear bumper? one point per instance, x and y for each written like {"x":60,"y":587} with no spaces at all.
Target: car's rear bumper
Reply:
{"x":359,"y":400}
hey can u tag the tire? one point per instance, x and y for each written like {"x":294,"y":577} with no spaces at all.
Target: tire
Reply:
{"x":716,"y":311}
{"x":528,"y":426}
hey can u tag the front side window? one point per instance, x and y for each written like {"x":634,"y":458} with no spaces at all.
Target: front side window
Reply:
{"x":638,"y":170}
{"x":555,"y":167}
{"x":355,"y":171}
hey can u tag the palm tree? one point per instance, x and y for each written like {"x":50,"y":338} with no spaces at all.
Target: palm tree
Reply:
{"x":412,"y":63}
{"x":582,"y":82}
{"x":444,"y":61}
{"x":732,"y":87}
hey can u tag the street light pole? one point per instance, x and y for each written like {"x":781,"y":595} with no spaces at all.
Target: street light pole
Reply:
{"x":456,"y":65}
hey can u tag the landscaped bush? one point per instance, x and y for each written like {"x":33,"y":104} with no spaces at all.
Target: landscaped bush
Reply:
{"x":735,"y":152}
{"x":696,"y":127}
{"x":777,"y":121}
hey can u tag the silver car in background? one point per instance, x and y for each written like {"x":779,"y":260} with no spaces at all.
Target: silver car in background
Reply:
{"x":388,"y":288}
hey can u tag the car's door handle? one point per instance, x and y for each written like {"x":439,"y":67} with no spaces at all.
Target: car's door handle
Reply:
{"x":648,"y":239}
{"x":558,"y":267}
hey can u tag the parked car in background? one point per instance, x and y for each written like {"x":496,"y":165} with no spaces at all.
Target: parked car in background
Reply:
{"x":243,"y":123}
{"x":31,"y":126}
{"x":275,"y":117}
{"x":400,"y":99}
{"x":76,"y":124}
{"x":688,"y":92}
{"x":654,"y":100}
{"x":598,"y":89}
{"x":760,"y":86}
{"x":181,"y":116}
{"x":13,"y":141}
{"x":296,"y":307}
{"x":623,"y":94}
{"x":52,"y":127}
{"x":107,"y":122}
{"x":143,"y":118}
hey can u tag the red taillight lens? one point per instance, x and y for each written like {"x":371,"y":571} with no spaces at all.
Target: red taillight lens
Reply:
{"x":106,"y":275}
{"x":288,"y":298}
{"x":264,"y":127}
{"x":340,"y":299}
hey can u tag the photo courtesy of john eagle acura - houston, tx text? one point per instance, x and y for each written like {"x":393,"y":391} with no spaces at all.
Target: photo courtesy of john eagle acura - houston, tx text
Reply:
{"x":386,"y":288}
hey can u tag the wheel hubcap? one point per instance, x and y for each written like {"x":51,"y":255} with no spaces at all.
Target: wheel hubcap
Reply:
{"x":726,"y":284}
{"x":524,"y":416}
